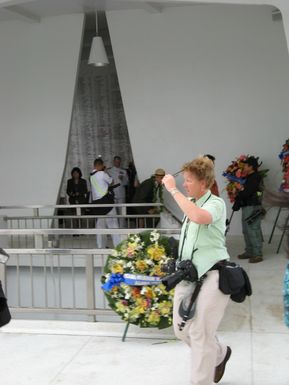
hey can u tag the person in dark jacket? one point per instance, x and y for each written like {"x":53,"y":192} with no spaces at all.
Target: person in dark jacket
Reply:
{"x":249,"y":199}
{"x":77,"y":188}
{"x":133,"y":182}
{"x":149,"y":191}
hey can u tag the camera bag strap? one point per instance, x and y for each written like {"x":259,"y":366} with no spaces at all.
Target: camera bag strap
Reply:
{"x":188,"y":313}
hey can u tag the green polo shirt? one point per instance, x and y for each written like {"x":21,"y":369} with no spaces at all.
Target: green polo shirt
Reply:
{"x":208,"y":241}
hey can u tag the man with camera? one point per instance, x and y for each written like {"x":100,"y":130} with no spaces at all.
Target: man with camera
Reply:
{"x":100,"y":182}
{"x":201,"y":247}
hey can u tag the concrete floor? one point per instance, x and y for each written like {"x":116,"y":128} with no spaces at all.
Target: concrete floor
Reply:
{"x":79,"y":353}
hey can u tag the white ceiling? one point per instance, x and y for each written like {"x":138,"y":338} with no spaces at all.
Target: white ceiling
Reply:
{"x":34,"y":10}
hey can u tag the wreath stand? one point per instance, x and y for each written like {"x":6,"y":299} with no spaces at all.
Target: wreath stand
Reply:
{"x":283,"y":232}
{"x":274,"y":225}
{"x":125,"y":332}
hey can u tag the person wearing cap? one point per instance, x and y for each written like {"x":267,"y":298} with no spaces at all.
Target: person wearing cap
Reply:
{"x":249,"y":199}
{"x":149,"y":191}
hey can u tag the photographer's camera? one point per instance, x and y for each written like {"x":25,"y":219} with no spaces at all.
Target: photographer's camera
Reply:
{"x":185,"y":271}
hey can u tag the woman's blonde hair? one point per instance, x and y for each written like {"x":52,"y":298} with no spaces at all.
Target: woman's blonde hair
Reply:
{"x":203,"y":168}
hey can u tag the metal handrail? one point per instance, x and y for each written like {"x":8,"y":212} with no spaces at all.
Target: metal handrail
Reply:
{"x":80,"y":231}
{"x":81,"y":206}
{"x":59,"y":251}
{"x":6,"y":218}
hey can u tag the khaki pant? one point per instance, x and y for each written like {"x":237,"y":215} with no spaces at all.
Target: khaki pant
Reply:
{"x":200,"y":332}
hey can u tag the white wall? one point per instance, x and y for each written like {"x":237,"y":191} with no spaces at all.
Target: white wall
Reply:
{"x":203,"y":79}
{"x":38,"y":65}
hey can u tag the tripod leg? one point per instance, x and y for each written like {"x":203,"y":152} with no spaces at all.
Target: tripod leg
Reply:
{"x":282,"y":236}
{"x":274,"y":226}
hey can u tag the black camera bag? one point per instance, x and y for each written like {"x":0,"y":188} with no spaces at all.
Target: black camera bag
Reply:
{"x":234,"y":281}
{"x":107,"y":199}
{"x":5,"y":315}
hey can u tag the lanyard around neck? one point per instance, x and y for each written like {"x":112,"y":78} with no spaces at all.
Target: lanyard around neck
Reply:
{"x":186,"y":219}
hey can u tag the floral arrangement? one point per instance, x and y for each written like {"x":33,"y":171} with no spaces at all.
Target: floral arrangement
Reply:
{"x":132,"y":280}
{"x":236,"y":176}
{"x":284,"y":156}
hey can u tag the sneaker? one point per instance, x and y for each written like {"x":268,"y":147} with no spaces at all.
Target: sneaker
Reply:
{"x":244,"y":256}
{"x":220,"y":369}
{"x":256,"y":259}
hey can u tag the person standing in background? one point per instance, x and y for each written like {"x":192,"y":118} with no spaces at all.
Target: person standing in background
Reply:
{"x":149,"y":191}
{"x":133,"y":181}
{"x":100,"y":181}
{"x":120,"y":178}
{"x":249,"y":199}
{"x":77,"y":194}
{"x":77,"y":188}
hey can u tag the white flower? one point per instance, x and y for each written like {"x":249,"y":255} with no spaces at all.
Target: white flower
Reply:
{"x":154,"y":236}
{"x":114,"y":253}
{"x":129,"y":265}
{"x":143,"y":290}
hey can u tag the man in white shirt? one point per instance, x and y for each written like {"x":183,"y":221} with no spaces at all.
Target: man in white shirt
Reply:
{"x":100,"y":181}
{"x":120,"y":177}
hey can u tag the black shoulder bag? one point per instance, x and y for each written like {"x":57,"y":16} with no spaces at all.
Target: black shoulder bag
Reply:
{"x":234,"y":281}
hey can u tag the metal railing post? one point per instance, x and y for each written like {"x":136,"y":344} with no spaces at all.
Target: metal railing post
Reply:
{"x":90,"y":287}
{"x":38,"y":239}
{"x":123,"y":211}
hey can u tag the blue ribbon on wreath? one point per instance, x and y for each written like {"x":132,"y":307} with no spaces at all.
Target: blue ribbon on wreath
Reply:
{"x":283,"y":154}
{"x":233,"y":178}
{"x":130,"y":279}
{"x":114,"y":280}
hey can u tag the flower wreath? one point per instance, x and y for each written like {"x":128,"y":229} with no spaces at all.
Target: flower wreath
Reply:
{"x":236,"y":176}
{"x":284,"y":156}
{"x":132,"y":282}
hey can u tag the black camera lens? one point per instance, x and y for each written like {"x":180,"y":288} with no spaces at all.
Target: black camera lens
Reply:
{"x":185,"y":270}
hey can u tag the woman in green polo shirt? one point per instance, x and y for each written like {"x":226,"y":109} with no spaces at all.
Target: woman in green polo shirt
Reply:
{"x":202,"y":241}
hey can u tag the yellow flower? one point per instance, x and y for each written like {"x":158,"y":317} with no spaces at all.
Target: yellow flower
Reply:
{"x":154,"y":318}
{"x":141,"y":302}
{"x":165,"y":307}
{"x":117,"y":268}
{"x":162,"y":290}
{"x":141,"y":265}
{"x":131,"y":249}
{"x":136,"y":312}
{"x":156,"y":271}
{"x":148,"y":292}
{"x":156,"y":252}
{"x":120,"y":307}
